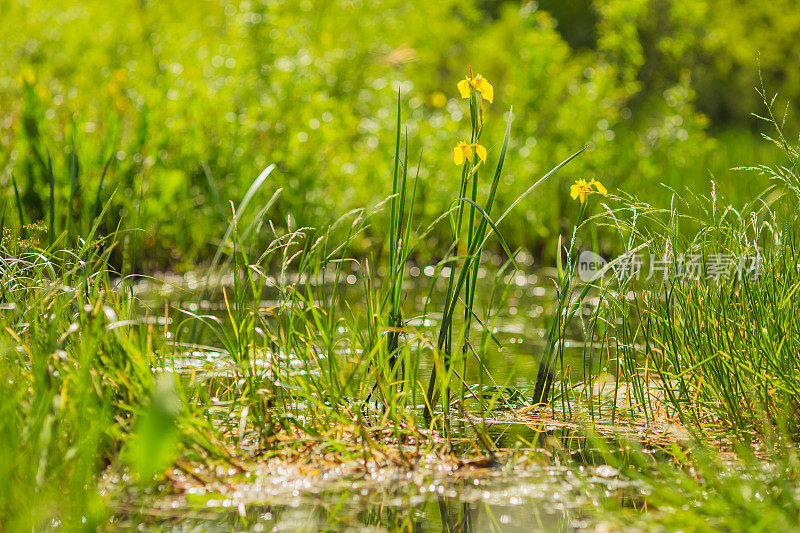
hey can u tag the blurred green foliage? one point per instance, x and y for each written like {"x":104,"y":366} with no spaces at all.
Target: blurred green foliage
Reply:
{"x":191,"y":100}
{"x":156,"y":437}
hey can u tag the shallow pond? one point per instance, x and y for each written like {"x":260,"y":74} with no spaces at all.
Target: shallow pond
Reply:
{"x":521,"y":328}
{"x":499,"y":496}
{"x":514,"y":492}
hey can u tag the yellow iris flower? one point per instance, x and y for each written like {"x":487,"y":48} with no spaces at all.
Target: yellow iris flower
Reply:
{"x":581,"y":188}
{"x":463,"y":152}
{"x":477,"y":83}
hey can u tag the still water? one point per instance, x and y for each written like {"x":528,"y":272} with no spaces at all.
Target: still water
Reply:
{"x":523,"y":489}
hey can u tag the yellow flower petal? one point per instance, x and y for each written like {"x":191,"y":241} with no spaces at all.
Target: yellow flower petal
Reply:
{"x":581,"y":189}
{"x":458,"y":156}
{"x":463,"y":88}
{"x":461,"y":152}
{"x":481,"y":151}
{"x":599,"y":186}
{"x":485,"y":88}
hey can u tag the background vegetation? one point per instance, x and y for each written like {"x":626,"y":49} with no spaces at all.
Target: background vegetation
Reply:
{"x":263,"y":138}
{"x":188,"y":101}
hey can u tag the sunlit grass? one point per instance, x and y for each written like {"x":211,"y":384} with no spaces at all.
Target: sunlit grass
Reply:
{"x":98,"y":409}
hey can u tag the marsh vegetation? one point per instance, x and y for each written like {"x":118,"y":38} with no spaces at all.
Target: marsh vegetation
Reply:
{"x":313,"y":285}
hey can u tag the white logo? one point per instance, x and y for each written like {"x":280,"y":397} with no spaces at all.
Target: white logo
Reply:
{"x":590,"y":266}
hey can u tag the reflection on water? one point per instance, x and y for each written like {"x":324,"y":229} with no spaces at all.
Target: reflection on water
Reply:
{"x":527,"y":491}
{"x":521,"y":328}
{"x":490,"y":497}
{"x":531,"y":499}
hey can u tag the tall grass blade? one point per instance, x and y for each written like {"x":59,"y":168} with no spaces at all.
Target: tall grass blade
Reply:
{"x":51,"y":232}
{"x":20,"y":212}
{"x":97,"y":203}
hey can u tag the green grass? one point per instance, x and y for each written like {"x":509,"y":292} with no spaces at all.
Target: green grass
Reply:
{"x":93,"y":397}
{"x":715,"y":352}
{"x":76,"y":376}
{"x":105,"y":186}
